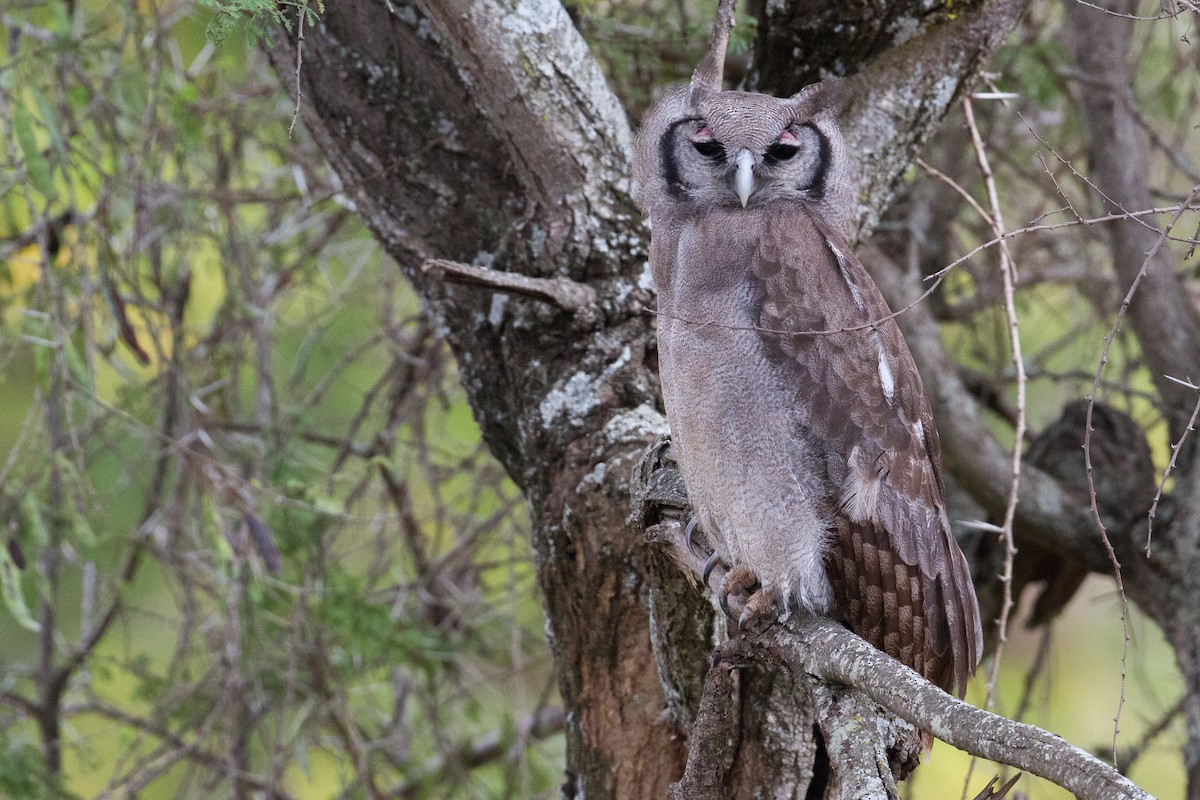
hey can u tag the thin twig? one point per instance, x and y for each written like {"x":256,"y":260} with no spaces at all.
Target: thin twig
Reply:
{"x":1153,"y":732}
{"x":1087,"y":449}
{"x":1009,"y":276}
{"x":1175,"y":448}
{"x":299,"y":63}
{"x":1112,"y":13}
{"x":963,"y":193}
{"x":1091,"y":184}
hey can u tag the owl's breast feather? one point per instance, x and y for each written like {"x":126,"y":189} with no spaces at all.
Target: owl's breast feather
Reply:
{"x":750,"y":473}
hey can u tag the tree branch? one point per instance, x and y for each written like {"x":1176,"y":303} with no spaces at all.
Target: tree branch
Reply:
{"x":901,"y":91}
{"x":708,"y":746}
{"x":821,"y":648}
{"x":818,"y":648}
{"x":562,"y":292}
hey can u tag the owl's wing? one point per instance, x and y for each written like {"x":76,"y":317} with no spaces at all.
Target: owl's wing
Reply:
{"x":900,"y":579}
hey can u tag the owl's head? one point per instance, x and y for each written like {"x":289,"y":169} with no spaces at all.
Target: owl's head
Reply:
{"x":700,"y":148}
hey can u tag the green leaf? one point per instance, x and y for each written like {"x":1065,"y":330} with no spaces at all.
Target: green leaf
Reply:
{"x":14,"y":598}
{"x":48,"y":119}
{"x":36,"y":165}
{"x":33,"y":520}
{"x":77,"y":366}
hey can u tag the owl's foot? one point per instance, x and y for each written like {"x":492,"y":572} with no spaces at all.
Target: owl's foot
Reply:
{"x":762,"y":605}
{"x":741,"y":581}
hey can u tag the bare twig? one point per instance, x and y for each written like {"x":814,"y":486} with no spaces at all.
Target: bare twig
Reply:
{"x":1009,"y":275}
{"x":302,"y":13}
{"x":1131,"y":755}
{"x":1175,"y":448}
{"x":1087,"y":446}
{"x":1112,"y":13}
{"x":563,"y":292}
{"x":960,"y":191}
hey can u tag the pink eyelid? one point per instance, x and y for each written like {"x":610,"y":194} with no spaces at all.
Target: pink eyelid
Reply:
{"x":787,"y":137}
{"x":703,"y":135}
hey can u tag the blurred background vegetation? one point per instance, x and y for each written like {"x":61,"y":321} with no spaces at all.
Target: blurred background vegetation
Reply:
{"x":254,"y":546}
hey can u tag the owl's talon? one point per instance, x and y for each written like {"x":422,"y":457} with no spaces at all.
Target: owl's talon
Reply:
{"x":709,"y":565}
{"x":723,"y":601}
{"x":722,"y":593}
{"x":687,"y":535}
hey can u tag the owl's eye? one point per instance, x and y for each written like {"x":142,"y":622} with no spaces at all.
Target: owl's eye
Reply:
{"x":706,"y":145}
{"x":784,"y":148}
{"x":782,"y":151}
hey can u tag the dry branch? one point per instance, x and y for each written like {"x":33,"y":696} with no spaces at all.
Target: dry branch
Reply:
{"x":562,"y":292}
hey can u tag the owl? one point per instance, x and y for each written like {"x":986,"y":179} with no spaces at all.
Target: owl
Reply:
{"x":804,"y":436}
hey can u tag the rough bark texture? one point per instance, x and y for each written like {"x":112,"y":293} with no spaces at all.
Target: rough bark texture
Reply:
{"x":478,"y":133}
{"x":483,"y":132}
{"x":802,"y":42}
{"x":821,"y":648}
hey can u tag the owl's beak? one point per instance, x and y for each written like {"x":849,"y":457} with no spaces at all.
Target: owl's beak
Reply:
{"x":743,"y":182}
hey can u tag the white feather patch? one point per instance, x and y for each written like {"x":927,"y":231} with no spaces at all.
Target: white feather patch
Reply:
{"x":886,"y":380}
{"x":855,"y":294}
{"x":860,"y":493}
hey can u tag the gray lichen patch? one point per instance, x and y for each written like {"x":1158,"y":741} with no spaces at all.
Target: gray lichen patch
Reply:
{"x":579,"y":394}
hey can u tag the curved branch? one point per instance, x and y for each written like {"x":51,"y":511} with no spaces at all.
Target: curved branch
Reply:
{"x":822,"y":649}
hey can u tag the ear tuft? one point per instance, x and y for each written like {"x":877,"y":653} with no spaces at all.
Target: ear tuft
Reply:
{"x":708,"y":76}
{"x":831,"y":94}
